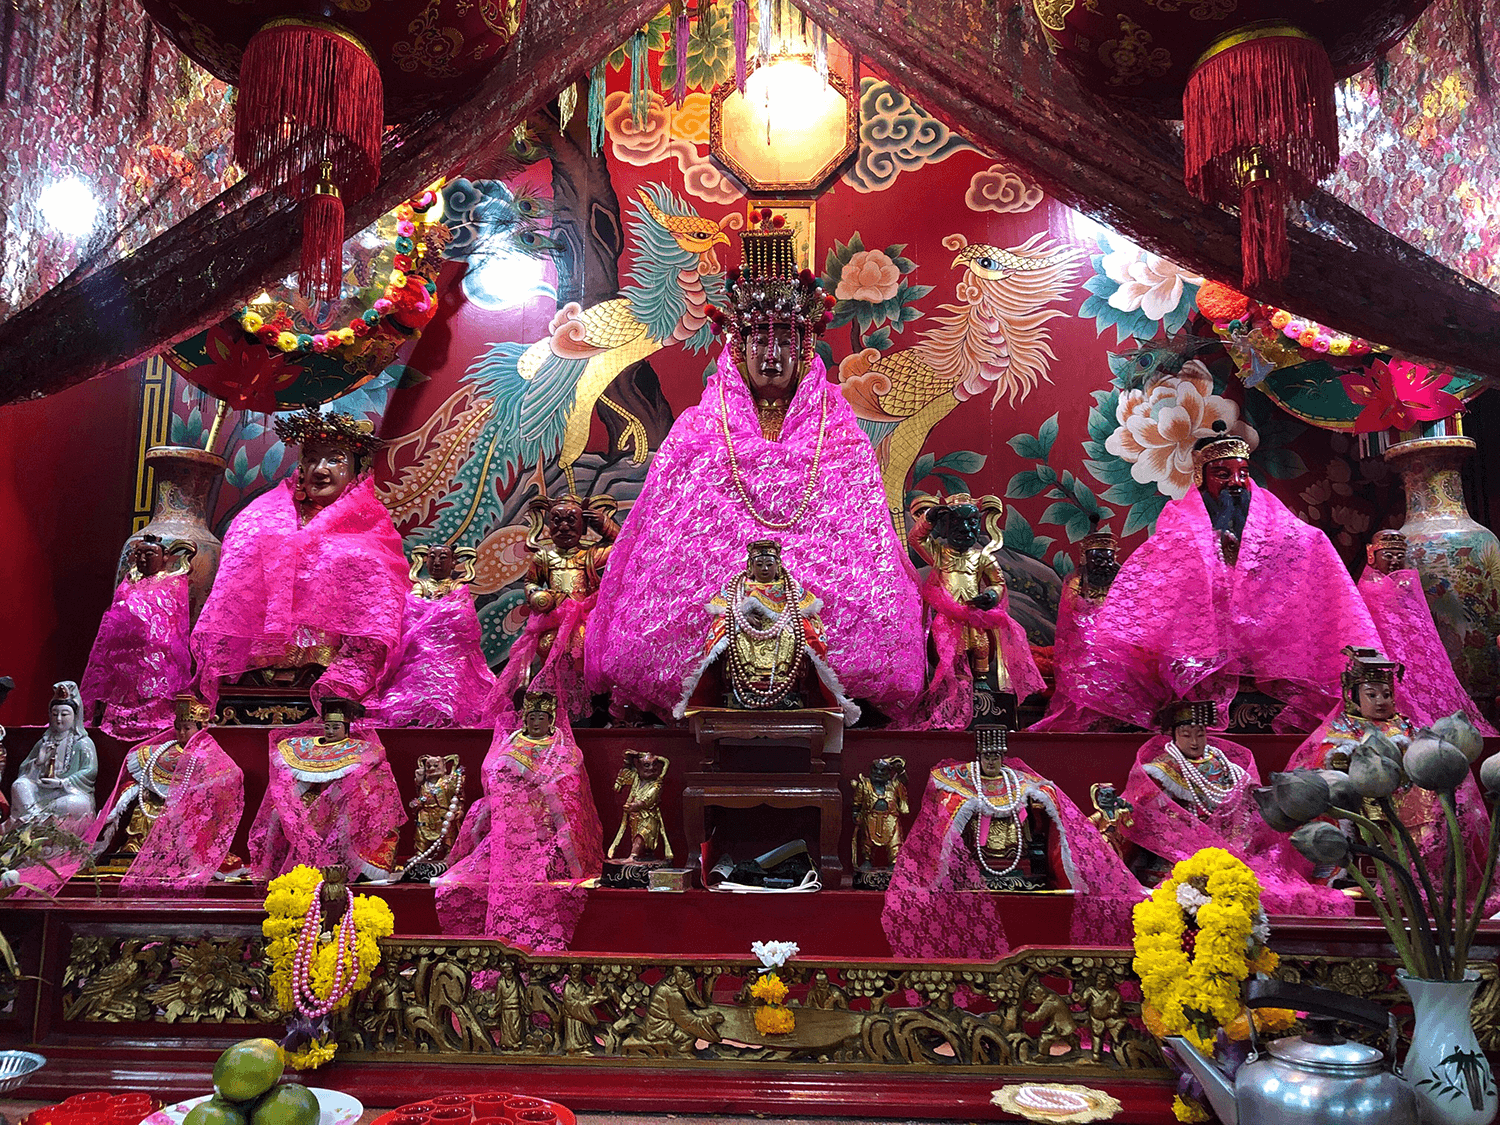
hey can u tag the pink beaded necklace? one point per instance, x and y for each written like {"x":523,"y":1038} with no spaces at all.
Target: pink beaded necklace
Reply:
{"x":307,"y":1001}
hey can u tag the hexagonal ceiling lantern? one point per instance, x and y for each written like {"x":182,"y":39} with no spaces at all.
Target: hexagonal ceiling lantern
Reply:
{"x":790,"y":131}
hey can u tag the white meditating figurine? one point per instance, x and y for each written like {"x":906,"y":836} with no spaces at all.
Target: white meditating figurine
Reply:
{"x":57,"y":778}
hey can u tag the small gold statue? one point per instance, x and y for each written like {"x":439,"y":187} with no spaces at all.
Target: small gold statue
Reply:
{"x":879,"y":803}
{"x":949,"y":535}
{"x":448,"y":568}
{"x":438,"y":808}
{"x":641,"y":825}
{"x":562,"y":565}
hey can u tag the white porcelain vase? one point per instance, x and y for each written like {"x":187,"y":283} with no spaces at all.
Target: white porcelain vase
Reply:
{"x":1446,"y":1066}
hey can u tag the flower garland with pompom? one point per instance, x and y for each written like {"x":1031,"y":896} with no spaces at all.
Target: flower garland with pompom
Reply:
{"x":1197,"y":938}
{"x":772,"y":1017}
{"x":315,"y":973}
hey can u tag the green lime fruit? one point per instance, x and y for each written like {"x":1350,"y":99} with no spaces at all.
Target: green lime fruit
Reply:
{"x":215,"y":1111}
{"x":247,"y":1070}
{"x":290,"y":1104}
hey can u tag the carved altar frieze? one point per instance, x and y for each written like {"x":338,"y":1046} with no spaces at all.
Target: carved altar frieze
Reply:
{"x":110,"y":979}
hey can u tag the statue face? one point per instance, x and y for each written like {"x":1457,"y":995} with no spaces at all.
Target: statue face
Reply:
{"x":335,"y":730}
{"x":440,"y":562}
{"x":1227,"y":474}
{"x":432,"y":767}
{"x":962,"y":527}
{"x":649,"y":766}
{"x":773,"y":372}
{"x":184,"y":729}
{"x":59,"y":718}
{"x":765,"y":567}
{"x":1377,"y":702}
{"x":538,"y":724}
{"x":1191,"y":738}
{"x":991,"y":761}
{"x":1391,"y":558}
{"x":326,"y":472}
{"x":1100,"y":565}
{"x":565,"y":525}
{"x":147,"y":557}
{"x":880,"y":770}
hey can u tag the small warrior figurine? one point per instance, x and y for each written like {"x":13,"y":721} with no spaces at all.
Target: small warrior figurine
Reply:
{"x":439,"y":677}
{"x":1073,"y":652}
{"x":767,"y":630}
{"x":438,"y":809}
{"x":641,"y":824}
{"x":140,"y":658}
{"x":879,"y":805}
{"x":562,"y":584}
{"x":974,"y":639}
{"x":330,"y":799}
{"x":56,"y":781}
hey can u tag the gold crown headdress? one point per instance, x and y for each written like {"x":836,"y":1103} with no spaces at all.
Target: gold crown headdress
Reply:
{"x":1098,"y":539}
{"x":1383,"y":540}
{"x":1217,"y":446}
{"x":1367,"y":666}
{"x":1190,"y":712}
{"x":341,"y":710}
{"x":334,"y":428}
{"x":539,"y":701}
{"x":763,"y":547}
{"x":768,"y":290}
{"x":991,"y":740}
{"x":186,"y":705}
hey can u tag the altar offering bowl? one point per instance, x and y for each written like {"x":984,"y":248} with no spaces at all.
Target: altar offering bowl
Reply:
{"x":485,"y":1104}
{"x":502,"y":1117}
{"x":536,"y":1117}
{"x":16,"y":1067}
{"x":515,"y":1104}
{"x":451,"y":1115}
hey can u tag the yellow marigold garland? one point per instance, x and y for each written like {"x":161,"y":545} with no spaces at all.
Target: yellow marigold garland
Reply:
{"x":288,"y":900}
{"x":771,"y":1018}
{"x":1196,"y":995}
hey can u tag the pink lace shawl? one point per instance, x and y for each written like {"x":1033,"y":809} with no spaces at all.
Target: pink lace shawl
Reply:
{"x":1077,"y":668}
{"x":689,"y":529}
{"x":439,"y":677}
{"x":140,"y":658}
{"x":1158,"y":823}
{"x":525,"y":849}
{"x":1179,"y":623}
{"x":560,"y":673}
{"x":948,"y":700}
{"x":349,"y":822}
{"x":937,"y":907}
{"x":1430,"y":690}
{"x":343,"y":575}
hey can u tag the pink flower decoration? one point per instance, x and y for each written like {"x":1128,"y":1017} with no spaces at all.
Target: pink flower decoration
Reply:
{"x":406,"y":228}
{"x":1399,"y":394}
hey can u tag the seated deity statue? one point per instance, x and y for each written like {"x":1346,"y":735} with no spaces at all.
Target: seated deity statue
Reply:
{"x":974,"y":639}
{"x":530,"y":844}
{"x":1231,"y":585}
{"x":993,"y":825}
{"x":1392,"y":592}
{"x":56,"y":780}
{"x":438,"y":809}
{"x":174,"y":810}
{"x":765,"y":635}
{"x":331,"y":800}
{"x":641,"y":827}
{"x":569,"y":540}
{"x":438,"y":677}
{"x":771,"y":449}
{"x":312,"y":581}
{"x":140,"y":659}
{"x":1188,"y":791}
{"x":1075,"y":655}
{"x":1369,"y":683}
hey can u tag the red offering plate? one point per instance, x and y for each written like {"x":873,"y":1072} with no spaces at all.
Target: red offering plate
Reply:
{"x":489,"y":1107}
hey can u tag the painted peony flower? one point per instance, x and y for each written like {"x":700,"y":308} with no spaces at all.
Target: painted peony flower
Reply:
{"x":868,"y":276}
{"x":1158,"y":426}
{"x":1147,"y":282}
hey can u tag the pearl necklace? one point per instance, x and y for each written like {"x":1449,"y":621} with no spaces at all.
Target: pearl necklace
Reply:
{"x":1205,"y":794}
{"x":739,"y":483}
{"x":1012,"y":794}
{"x":344,"y":975}
{"x":790,"y":618}
{"x":442,"y":840}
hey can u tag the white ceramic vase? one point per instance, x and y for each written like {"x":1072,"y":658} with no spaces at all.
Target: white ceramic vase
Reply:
{"x":1445,"y":1066}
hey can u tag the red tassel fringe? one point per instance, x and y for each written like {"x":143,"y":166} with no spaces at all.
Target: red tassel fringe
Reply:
{"x":1274,"y":94}
{"x":1265,"y":255}
{"x":322,"y":270}
{"x":308,"y":94}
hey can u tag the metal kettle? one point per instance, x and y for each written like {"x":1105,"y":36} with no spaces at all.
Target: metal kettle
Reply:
{"x":1319,"y":1078}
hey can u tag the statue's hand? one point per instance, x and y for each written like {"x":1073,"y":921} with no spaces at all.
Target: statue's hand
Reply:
{"x":50,"y":782}
{"x":985,"y":599}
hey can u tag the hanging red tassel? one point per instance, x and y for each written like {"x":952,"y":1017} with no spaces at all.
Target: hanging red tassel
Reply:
{"x":1260,"y":98}
{"x":322,"y":270}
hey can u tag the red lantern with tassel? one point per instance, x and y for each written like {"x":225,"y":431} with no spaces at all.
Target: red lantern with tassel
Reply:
{"x":1253,"y":82}
{"x":316,"y":93}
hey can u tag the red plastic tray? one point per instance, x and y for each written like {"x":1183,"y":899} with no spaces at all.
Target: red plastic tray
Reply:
{"x":564,"y":1114}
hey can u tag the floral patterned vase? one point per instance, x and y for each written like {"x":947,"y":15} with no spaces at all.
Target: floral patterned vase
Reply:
{"x":184,"y":478}
{"x":1445,"y":1066}
{"x":1459,"y":559}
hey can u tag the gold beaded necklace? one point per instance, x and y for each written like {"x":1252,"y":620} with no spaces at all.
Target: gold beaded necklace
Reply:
{"x":739,"y":483}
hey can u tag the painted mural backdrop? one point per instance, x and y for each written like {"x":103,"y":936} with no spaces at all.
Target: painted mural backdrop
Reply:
{"x":989,"y":339}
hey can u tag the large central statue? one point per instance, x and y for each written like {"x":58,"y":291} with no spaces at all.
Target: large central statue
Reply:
{"x":771,"y":450}
{"x":1231,"y":584}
